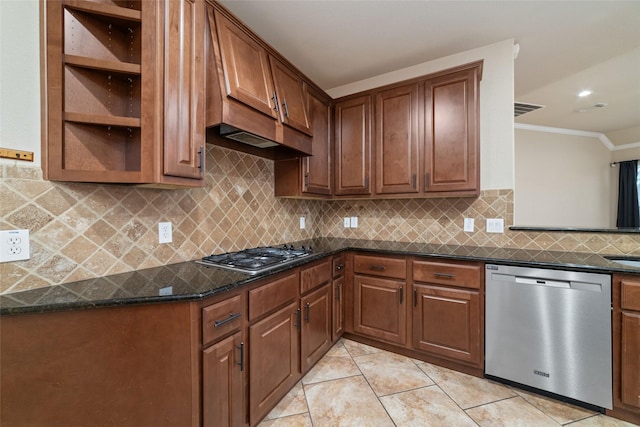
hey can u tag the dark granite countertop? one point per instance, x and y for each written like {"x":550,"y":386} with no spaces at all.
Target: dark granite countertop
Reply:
{"x":190,"y":281}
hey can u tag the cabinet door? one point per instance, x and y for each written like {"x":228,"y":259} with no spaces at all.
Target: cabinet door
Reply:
{"x":338,"y":308}
{"x":316,"y":169}
{"x":396,"y":140}
{"x":451,"y":132}
{"x":446,"y":322}
{"x":222,"y":373}
{"x":245,"y":65}
{"x":380,"y":308}
{"x":290,"y":96}
{"x":184,"y":78}
{"x":353,"y":146}
{"x":315,"y":335}
{"x":630,"y":359}
{"x":274,"y":360}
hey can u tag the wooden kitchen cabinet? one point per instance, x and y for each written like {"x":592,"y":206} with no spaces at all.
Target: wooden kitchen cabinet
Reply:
{"x":222,"y":383}
{"x":380,"y":307}
{"x":315,"y":329}
{"x":447,"y":310}
{"x":309,"y":176}
{"x":274,"y":360}
{"x":397,"y":139}
{"x":250,"y":88}
{"x":223,"y":362}
{"x":451,"y":135}
{"x":352,"y":145}
{"x":338,"y":297}
{"x":119,"y":107}
{"x":626,"y":348}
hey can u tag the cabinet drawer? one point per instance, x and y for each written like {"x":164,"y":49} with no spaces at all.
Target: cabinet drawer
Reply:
{"x":464,"y":275}
{"x":338,"y":266}
{"x":314,"y":276}
{"x":221,"y":318}
{"x":272,"y":295}
{"x":630,"y":295}
{"x":380,"y":266}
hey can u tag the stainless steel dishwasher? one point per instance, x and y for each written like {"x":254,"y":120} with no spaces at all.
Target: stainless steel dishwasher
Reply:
{"x":550,"y":330}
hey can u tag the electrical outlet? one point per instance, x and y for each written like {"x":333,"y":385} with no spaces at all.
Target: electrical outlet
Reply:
{"x":165,"y":234}
{"x":354,"y":222}
{"x":14,"y":245}
{"x":495,"y":225}
{"x":469,"y":225}
{"x":347,"y":222}
{"x":303,"y":223}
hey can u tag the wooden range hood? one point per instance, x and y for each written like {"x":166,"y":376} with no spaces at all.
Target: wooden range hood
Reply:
{"x":247,"y":90}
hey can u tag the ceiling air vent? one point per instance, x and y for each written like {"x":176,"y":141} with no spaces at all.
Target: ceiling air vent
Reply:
{"x":521,"y":108}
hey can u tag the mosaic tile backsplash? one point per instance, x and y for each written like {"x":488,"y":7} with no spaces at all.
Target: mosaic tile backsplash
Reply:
{"x":80,"y":231}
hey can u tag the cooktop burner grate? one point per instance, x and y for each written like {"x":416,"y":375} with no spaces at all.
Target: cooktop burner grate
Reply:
{"x":256,"y":260}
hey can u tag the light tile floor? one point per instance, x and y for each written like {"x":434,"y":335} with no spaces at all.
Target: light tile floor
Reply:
{"x":356,"y":385}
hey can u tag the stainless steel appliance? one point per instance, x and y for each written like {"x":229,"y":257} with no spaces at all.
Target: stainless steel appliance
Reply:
{"x":550,"y":330}
{"x":256,"y":260}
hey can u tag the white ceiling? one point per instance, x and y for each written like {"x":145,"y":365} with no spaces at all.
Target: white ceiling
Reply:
{"x":565,"y":46}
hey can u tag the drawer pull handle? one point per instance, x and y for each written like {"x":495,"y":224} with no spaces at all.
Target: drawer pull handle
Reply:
{"x":231,"y":317}
{"x":444,"y":275}
{"x":241,"y":363}
{"x":377,"y":267}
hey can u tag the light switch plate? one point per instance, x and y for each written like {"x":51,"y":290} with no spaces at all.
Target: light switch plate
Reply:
{"x":303,"y":224}
{"x":347,"y":222}
{"x":469,"y":225}
{"x":495,"y":225}
{"x":354,"y":222}
{"x":14,"y":245}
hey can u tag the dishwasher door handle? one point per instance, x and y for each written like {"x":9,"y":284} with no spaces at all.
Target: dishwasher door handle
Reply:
{"x":543,"y":282}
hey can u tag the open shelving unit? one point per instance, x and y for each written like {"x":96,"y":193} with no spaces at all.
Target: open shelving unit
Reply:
{"x":95,"y":82}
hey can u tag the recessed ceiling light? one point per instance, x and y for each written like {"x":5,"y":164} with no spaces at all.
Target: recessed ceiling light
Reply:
{"x":584,"y":93}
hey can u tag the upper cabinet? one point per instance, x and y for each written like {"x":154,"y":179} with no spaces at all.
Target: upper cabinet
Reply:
{"x":426,"y":139}
{"x":118,"y":104}
{"x":253,"y":96}
{"x":352,"y":145}
{"x":452,"y":149}
{"x":309,"y":176}
{"x":397,"y":139}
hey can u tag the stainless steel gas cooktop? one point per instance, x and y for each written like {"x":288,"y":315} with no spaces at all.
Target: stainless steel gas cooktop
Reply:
{"x":256,"y":260}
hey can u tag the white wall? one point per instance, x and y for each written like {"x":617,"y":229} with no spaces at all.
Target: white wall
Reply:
{"x":563,"y":181}
{"x":20,"y":77}
{"x":496,"y":105}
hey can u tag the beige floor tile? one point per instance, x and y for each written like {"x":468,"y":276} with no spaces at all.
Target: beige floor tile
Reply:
{"x":331,"y":368}
{"x":427,"y":406}
{"x":300,"y":420}
{"x":293,"y":403}
{"x":466,"y":390}
{"x":358,"y":349}
{"x":514,"y":412}
{"x":560,"y":412}
{"x":601,"y":421}
{"x":348,"y":402}
{"x":391,"y":373}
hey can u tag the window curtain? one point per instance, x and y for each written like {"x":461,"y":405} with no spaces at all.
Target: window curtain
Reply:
{"x":628,"y":211}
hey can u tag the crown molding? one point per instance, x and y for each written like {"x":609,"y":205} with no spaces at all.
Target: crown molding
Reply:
{"x":601,"y":136}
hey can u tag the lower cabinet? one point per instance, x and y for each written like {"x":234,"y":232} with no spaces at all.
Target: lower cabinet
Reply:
{"x":626,"y":348}
{"x":274,"y":362}
{"x":315,"y":329}
{"x":379,"y":308}
{"x":446,"y":322}
{"x":447,"y":319}
{"x":222,"y":379}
